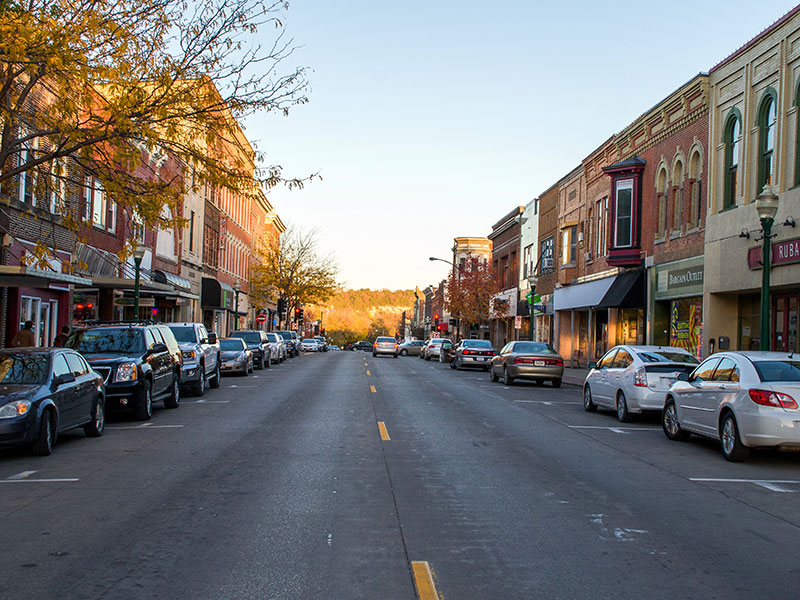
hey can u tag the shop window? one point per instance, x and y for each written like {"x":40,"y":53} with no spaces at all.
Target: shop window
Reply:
{"x":732,"y":139}
{"x":767,"y":114}
{"x":686,"y":325}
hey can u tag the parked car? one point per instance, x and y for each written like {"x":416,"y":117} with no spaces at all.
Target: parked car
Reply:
{"x":423,"y":349}
{"x":310,"y":345}
{"x":200,"y":351}
{"x":44,"y":392}
{"x":363,"y":345}
{"x":446,"y":352}
{"x":334,"y":348}
{"x":236,"y":357}
{"x":258,"y":344}
{"x":385,"y":345}
{"x":633,"y":379}
{"x":742,"y":399}
{"x":433,"y":346}
{"x":277,"y":347}
{"x":410,"y":348}
{"x":292,"y":349}
{"x":323,"y":344}
{"x":527,"y":360}
{"x":472,"y":353}
{"x":136,"y":362}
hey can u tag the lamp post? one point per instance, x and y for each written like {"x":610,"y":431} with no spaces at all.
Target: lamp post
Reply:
{"x":237,"y":287}
{"x":458,"y":319}
{"x":532,"y":281}
{"x":766,"y":207}
{"x":138,"y":255}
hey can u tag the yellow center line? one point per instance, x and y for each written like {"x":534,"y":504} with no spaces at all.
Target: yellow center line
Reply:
{"x":368,"y":373}
{"x":372,"y":389}
{"x":384,"y":434}
{"x":423,"y":578}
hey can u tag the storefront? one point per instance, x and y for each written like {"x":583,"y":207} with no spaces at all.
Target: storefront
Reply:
{"x":216,"y":300}
{"x":677,"y":304}
{"x":502,"y":317}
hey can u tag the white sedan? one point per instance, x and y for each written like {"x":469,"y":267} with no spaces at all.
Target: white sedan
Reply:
{"x":632,"y":379}
{"x":742,"y":399}
{"x":310,"y":345}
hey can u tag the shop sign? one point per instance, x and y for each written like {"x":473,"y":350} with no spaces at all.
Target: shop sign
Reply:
{"x":680,"y":278}
{"x":129,"y":301}
{"x":786,"y":252}
{"x":517,"y":322}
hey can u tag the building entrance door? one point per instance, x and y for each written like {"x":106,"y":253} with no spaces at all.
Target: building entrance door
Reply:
{"x":784,"y":322}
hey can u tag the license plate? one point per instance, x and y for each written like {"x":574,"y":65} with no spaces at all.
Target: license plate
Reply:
{"x":538,"y":363}
{"x":481,"y":358}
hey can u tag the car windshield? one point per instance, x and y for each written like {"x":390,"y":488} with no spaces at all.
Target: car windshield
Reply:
{"x":23,"y":369}
{"x":272,"y":337}
{"x":477,"y":344}
{"x":656,"y":356}
{"x":384,"y":340}
{"x":285,"y":335}
{"x":251,"y":337}
{"x":183,"y":333}
{"x":778,"y":370}
{"x":533,"y":348}
{"x":235,"y":344}
{"x":117,"y":339}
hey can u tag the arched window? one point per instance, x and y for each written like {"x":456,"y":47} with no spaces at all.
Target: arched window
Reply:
{"x":767,"y":114}
{"x":695,"y":172}
{"x":732,"y":139}
{"x":677,"y":195}
{"x":661,"y":195}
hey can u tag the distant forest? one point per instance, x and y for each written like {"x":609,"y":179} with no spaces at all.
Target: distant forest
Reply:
{"x":353,"y":315}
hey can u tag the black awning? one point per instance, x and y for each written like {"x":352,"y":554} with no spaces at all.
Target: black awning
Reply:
{"x":627,"y":291}
{"x":216,"y":294}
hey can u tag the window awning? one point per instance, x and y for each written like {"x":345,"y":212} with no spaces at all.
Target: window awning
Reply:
{"x":178,"y":282}
{"x":582,"y":295}
{"x":216,"y":294}
{"x":627,"y":291}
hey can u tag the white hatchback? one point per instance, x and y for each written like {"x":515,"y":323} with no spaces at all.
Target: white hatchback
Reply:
{"x":632,"y":379}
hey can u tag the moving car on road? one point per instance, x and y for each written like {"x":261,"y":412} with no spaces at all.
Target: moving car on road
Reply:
{"x":472,"y":353}
{"x":44,"y":392}
{"x":527,"y":360}
{"x":433,"y":347}
{"x":385,"y":345}
{"x":200,"y":351}
{"x":632,"y":379}
{"x":236,"y":357}
{"x":411,"y":348}
{"x":363,"y":345}
{"x":742,"y":399}
{"x":136,"y":363}
{"x":258,"y":344}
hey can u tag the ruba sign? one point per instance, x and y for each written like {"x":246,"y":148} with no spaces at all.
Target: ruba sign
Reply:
{"x":783,"y":253}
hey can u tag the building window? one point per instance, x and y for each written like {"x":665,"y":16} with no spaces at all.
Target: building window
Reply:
{"x":58,"y":186}
{"x":677,"y":194}
{"x":766,"y":140}
{"x":602,"y":226}
{"x":695,"y":170}
{"x":527,"y":267}
{"x":661,"y":198}
{"x":97,"y":209}
{"x":623,"y":227}
{"x":569,"y":245}
{"x":191,"y":233}
{"x":732,"y":139}
{"x":27,"y":179}
{"x":547,"y":253}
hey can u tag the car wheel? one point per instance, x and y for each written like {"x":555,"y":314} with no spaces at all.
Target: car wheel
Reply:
{"x":94,"y":428}
{"x":403,"y":352}
{"x":200,"y":387}
{"x":557,"y":382}
{"x":144,"y":403}
{"x":174,"y":398}
{"x":393,"y":356}
{"x":670,"y":425}
{"x":453,"y":365}
{"x":588,"y":403}
{"x":493,"y":376}
{"x":215,"y":380}
{"x":374,"y":354}
{"x":459,"y":365}
{"x":732,"y":447}
{"x":622,"y":408}
{"x":43,"y":444}
{"x":507,"y":379}
{"x":539,"y":382}
{"x":258,"y":365}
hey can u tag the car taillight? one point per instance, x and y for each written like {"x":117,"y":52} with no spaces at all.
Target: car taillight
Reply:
{"x":396,"y":345}
{"x":523,"y":361}
{"x":640,"y":377}
{"x":466,"y":352}
{"x":767,"y":398}
{"x":554,"y":362}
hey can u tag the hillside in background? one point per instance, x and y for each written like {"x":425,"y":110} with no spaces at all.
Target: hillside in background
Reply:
{"x":353,"y":315}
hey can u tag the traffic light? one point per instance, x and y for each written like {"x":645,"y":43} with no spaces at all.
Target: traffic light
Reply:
{"x":281,"y":306}
{"x":436,"y":322}
{"x":300,"y":313}
{"x":297,"y":314}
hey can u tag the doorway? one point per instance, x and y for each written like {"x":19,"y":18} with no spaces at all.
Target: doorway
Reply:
{"x":784,"y":322}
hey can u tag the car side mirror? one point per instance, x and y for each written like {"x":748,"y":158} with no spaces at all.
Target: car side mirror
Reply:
{"x":592,"y":365}
{"x":63,"y":379}
{"x":683,"y":376}
{"x":158,"y":348}
{"x":212,"y":338}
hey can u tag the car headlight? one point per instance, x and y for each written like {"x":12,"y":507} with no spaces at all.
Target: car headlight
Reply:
{"x":126,"y":372}
{"x":189,"y":354}
{"x":243,"y":356}
{"x":15,"y":409}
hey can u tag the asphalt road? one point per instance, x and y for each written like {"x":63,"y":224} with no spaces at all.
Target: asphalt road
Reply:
{"x":340,"y":475}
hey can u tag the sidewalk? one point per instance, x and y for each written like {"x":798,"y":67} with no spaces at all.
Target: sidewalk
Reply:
{"x":574,"y":376}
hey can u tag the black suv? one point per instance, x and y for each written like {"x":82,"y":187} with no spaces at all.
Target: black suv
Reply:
{"x":139,"y":363}
{"x":258,"y":343}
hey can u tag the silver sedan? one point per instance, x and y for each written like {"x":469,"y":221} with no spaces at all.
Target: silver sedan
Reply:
{"x":742,"y":399}
{"x":633,"y":379}
{"x":527,"y":360}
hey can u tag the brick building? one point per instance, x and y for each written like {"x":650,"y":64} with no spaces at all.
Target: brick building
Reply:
{"x":548,"y":263}
{"x":505,"y":237}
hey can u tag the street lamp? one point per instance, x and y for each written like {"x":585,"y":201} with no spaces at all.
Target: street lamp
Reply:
{"x":138,"y":255}
{"x":532,"y":281}
{"x":442,"y":260}
{"x":766,"y":207}
{"x":458,"y":319}
{"x":237,"y":287}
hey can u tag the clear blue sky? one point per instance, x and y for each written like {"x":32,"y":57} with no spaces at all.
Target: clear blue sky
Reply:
{"x":432,"y":120}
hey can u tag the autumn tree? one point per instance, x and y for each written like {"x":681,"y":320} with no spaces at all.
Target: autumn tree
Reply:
{"x":110,"y":83}
{"x":470,"y":290}
{"x":292,"y":267}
